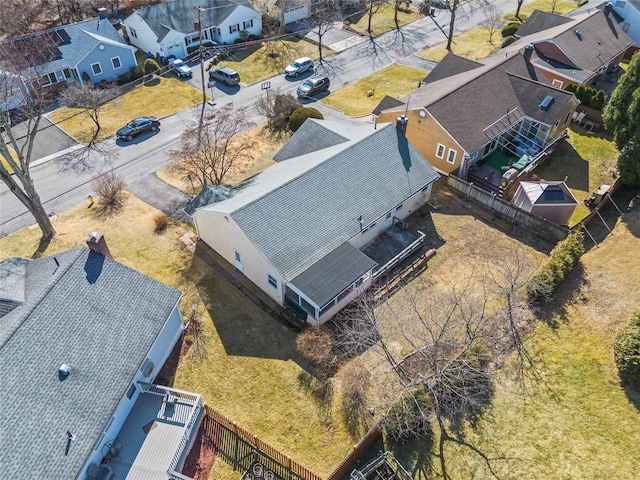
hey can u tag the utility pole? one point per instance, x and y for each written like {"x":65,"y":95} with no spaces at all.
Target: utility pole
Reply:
{"x":204,"y":92}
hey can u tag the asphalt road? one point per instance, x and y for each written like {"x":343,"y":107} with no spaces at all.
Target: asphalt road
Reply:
{"x":64,"y":182}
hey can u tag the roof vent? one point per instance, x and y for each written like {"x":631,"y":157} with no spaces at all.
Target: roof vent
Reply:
{"x":63,"y":371}
{"x":579,"y":33}
{"x":546,"y":103}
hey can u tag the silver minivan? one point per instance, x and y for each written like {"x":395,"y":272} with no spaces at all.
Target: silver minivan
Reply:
{"x":226,"y":75}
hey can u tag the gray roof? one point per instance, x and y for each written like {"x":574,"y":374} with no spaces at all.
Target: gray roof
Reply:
{"x":548,"y":193}
{"x":467,"y":103}
{"x":299,"y":210}
{"x":449,"y":66}
{"x":209,"y":194}
{"x":69,"y":44}
{"x":180,"y":15}
{"x":316,"y":138}
{"x":333,"y":273}
{"x":385,"y":103}
{"x":539,"y":21}
{"x":91,"y":313}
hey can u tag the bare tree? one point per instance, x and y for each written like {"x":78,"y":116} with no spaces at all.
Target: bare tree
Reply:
{"x":398,"y":5}
{"x":520,"y":2}
{"x":371,"y":7}
{"x":210,"y":149}
{"x":277,"y":108}
{"x":456,"y":334}
{"x":109,"y":186}
{"x":492,"y":22}
{"x":93,"y":100}
{"x":325,"y":16}
{"x":453,"y":5}
{"x":19,"y":17}
{"x":22,"y":101}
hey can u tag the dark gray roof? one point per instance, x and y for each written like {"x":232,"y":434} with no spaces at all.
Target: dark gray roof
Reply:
{"x":209,"y":194}
{"x":450,"y":65}
{"x":548,"y":193}
{"x":467,"y":103}
{"x":330,"y":275}
{"x":297,"y":211}
{"x":385,"y":103}
{"x":539,"y":21}
{"x":93,"y":314}
{"x":180,"y":15}
{"x":316,"y":138}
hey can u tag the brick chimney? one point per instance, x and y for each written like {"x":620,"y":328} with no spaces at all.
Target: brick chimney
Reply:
{"x":98,"y":244}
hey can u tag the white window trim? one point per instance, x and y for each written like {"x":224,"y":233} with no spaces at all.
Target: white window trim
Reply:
{"x":269,"y":277}
{"x":450,"y":160}
{"x":441,"y":148}
{"x":119,"y":61}
{"x":557,"y":83}
{"x":93,"y":70}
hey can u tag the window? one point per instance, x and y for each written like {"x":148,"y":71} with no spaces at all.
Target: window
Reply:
{"x":557,"y":83}
{"x":237,"y":256}
{"x":310,"y":309}
{"x":451,"y":158}
{"x":248,"y":24}
{"x":272,"y":281}
{"x":566,"y":120}
{"x":97,"y":69}
{"x":219,"y":32}
{"x":67,"y":73}
{"x":132,"y":32}
{"x":440,"y":151}
{"x":115,"y":61}
{"x":131,"y":391}
{"x":233,"y":28}
{"x":49,"y":79}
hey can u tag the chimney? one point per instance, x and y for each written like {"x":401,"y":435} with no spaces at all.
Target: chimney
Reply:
{"x":607,"y":8}
{"x":528,"y":51}
{"x":401,"y":124}
{"x":98,"y":244}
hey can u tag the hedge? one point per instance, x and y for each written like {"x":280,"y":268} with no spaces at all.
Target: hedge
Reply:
{"x":588,"y":96}
{"x":562,"y":259}
{"x":508,"y":41}
{"x":510,"y":29}
{"x":626,"y":349}
{"x":300,"y":115}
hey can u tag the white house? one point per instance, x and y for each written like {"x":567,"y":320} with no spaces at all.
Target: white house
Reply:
{"x":302,"y":230}
{"x":627,"y":15}
{"x":170,"y":28}
{"x":81,"y":339}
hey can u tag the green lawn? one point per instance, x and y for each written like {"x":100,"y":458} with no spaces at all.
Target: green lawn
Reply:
{"x":382,"y":21}
{"x":586,"y":160}
{"x":148,"y":99}
{"x":396,"y":81}
{"x":268,"y":59}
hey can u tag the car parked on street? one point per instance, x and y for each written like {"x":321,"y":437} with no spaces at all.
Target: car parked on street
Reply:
{"x":319,"y":83}
{"x":226,"y":75}
{"x":182,"y":69}
{"x":138,"y":126}
{"x":301,"y":65}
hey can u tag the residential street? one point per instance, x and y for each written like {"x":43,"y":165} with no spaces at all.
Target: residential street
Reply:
{"x":64,"y":182}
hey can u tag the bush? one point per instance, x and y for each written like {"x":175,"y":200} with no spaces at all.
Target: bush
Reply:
{"x":510,"y":29}
{"x":563,"y":258}
{"x":136,"y":72}
{"x":109,"y":186}
{"x":161,"y":222}
{"x":300,"y":115}
{"x":315,"y":344}
{"x":408,"y":417}
{"x":588,"y":96}
{"x":626,"y":349}
{"x":508,"y":41}
{"x":188,"y":340}
{"x":150,"y":66}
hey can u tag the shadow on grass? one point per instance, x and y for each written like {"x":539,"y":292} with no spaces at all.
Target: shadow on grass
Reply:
{"x":628,"y":201}
{"x":632,"y":392}
{"x":566,"y":163}
{"x":554,"y":313}
{"x":320,"y":388}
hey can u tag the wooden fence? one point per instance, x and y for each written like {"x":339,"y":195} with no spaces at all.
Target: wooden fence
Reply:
{"x":506,"y":210}
{"x":241,"y":449}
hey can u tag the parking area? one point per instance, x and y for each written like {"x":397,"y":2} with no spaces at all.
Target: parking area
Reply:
{"x":49,"y":139}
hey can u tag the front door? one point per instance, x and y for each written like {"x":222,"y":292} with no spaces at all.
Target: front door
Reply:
{"x":238,"y":261}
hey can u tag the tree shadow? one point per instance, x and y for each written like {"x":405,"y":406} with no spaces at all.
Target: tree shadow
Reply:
{"x":320,"y":389}
{"x":554,"y":312}
{"x":632,"y":392}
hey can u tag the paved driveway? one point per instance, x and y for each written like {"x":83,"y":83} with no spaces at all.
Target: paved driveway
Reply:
{"x":50,"y":140}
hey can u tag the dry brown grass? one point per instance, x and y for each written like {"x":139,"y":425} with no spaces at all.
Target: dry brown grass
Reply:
{"x":264,"y":150}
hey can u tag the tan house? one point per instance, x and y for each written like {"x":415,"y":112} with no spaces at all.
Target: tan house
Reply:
{"x":575,"y":49}
{"x":467,"y":110}
{"x":314,"y":230}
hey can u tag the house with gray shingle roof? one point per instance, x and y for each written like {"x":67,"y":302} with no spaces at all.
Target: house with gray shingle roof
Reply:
{"x":627,"y":15}
{"x":467,"y":110}
{"x":577,"y":49}
{"x":169,"y":28}
{"x":82,"y":337}
{"x":552,"y":201}
{"x":301,"y":229}
{"x":92,"y":48}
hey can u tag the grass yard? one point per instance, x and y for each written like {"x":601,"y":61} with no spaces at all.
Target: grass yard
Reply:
{"x":149,"y":99}
{"x":382,"y":21}
{"x":264,"y":150}
{"x":269,"y":58}
{"x":587,"y":160}
{"x":583,"y":424}
{"x":396,"y":81}
{"x":475,"y":43}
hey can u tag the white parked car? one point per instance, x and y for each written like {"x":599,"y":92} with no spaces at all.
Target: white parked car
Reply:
{"x":182,"y":69}
{"x":298,"y":66}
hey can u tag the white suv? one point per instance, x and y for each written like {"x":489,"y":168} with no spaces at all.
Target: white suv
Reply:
{"x":299,"y":66}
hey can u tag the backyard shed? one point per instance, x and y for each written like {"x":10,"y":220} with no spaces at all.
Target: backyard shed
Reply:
{"x":552,"y":201}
